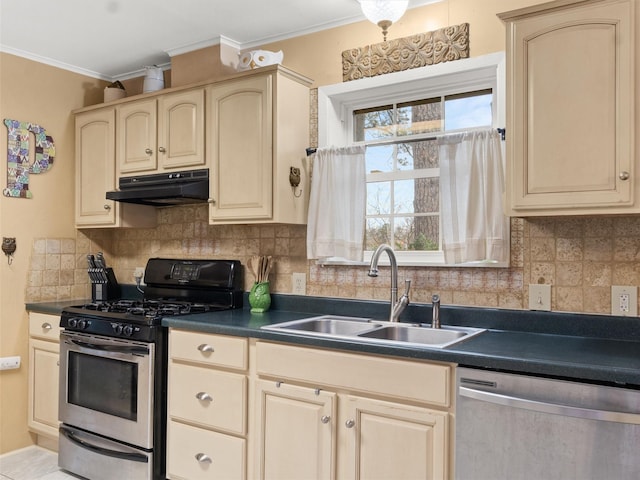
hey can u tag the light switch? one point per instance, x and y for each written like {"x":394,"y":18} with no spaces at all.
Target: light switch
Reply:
{"x":539,"y":297}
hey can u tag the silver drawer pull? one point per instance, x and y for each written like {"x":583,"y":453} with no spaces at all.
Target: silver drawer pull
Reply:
{"x":205,"y":348}
{"x":203,"y":458}
{"x":349,"y":423}
{"x":148,"y":151}
{"x":204,"y":396}
{"x":46,"y":326}
{"x":325,"y":419}
{"x":624,"y":176}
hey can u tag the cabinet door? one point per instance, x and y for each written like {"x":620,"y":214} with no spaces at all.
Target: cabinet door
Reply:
{"x":571,"y":113}
{"x":43,"y":387}
{"x":181,"y":129}
{"x":383,"y":440}
{"x":95,"y":168}
{"x":240,"y":138}
{"x":296,"y":432}
{"x":136,"y":137}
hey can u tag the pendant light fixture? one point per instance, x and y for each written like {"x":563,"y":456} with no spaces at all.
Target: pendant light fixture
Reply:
{"x":384,"y":12}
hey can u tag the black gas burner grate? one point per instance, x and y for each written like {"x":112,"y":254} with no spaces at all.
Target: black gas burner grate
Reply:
{"x":151,"y":308}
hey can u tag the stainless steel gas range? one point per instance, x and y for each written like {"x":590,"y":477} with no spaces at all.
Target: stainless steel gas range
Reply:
{"x":113,"y":368}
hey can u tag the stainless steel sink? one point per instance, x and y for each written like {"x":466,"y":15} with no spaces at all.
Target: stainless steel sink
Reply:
{"x":332,"y":325}
{"x":373,"y":331}
{"x":433,"y":337}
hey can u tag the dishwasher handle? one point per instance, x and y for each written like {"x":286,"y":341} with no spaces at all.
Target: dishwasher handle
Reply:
{"x":552,"y":408}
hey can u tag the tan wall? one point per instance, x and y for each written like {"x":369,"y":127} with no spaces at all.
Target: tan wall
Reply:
{"x":36,"y":93}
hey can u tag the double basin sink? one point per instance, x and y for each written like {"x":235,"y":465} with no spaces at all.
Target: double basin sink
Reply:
{"x":375,"y":331}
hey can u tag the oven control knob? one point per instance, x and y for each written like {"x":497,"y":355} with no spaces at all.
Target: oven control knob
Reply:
{"x":82,"y":324}
{"x":73,"y":322}
{"x":117,"y":328}
{"x":128,"y":330}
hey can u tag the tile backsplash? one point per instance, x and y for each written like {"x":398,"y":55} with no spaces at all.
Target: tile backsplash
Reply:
{"x":580,"y":256}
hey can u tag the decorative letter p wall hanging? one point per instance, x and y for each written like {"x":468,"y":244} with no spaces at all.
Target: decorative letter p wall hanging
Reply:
{"x":18,"y":165}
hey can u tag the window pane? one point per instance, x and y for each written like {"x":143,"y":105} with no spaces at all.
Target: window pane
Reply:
{"x":377,"y":231}
{"x":378,"y":198}
{"x":379,"y":158}
{"x":421,"y":116}
{"x":403,"y":196}
{"x":418,"y":155}
{"x":373,"y":123}
{"x":425,"y":233}
{"x":426,"y":195}
{"x":468,"y":110}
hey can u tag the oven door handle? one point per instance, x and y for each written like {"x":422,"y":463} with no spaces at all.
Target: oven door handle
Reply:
{"x":112,"y":348}
{"x":134,"y":457}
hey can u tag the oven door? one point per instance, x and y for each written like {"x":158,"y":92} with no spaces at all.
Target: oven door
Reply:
{"x":106,"y":386}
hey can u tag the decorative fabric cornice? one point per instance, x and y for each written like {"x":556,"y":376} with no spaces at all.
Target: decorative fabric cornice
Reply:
{"x":429,"y":48}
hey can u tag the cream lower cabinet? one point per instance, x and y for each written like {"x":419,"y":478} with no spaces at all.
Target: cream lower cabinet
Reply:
{"x":571,"y":109}
{"x":257,"y":130}
{"x":207,"y":406}
{"x":44,"y":355}
{"x":322,"y":414}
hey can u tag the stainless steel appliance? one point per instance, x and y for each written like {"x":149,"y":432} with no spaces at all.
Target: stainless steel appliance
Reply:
{"x":113,"y":365}
{"x":518,"y":427}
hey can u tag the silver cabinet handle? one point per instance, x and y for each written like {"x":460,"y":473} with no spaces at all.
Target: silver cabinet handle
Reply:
{"x":107,"y":207}
{"x":205,"y":348}
{"x":148,"y":151}
{"x":349,"y":423}
{"x":204,"y":396}
{"x":203,"y":458}
{"x":46,"y":326}
{"x":162,"y":150}
{"x":325,"y":419}
{"x":624,"y":175}
{"x":544,"y":407}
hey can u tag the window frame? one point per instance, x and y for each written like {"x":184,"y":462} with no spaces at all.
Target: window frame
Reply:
{"x":337,"y":102}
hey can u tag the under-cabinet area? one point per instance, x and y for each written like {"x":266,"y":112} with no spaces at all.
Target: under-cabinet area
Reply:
{"x":245,"y":408}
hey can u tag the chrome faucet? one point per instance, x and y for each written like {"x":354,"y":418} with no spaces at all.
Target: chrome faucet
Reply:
{"x":435,"y":310}
{"x":397,"y":306}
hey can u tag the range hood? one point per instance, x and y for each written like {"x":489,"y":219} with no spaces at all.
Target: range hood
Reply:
{"x":163,"y":189}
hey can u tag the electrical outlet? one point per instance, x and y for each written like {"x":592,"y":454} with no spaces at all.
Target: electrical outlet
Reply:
{"x":539,"y":297}
{"x":299,"y":281}
{"x":9,"y":363}
{"x":624,"y":300}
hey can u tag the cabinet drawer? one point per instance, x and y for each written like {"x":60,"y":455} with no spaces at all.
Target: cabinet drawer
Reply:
{"x":209,"y":397}
{"x":46,"y":326}
{"x":409,"y":380}
{"x":218,"y":350}
{"x":187,"y":444}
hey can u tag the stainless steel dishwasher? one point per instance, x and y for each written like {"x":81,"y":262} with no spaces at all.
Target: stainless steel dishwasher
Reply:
{"x":519,"y":427}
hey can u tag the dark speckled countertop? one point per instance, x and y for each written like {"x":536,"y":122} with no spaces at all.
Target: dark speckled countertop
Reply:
{"x":598,"y":348}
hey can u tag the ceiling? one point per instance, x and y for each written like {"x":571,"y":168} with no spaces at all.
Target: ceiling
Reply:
{"x":116,"y":39}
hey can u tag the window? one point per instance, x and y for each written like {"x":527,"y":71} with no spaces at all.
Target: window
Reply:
{"x":399,"y":117}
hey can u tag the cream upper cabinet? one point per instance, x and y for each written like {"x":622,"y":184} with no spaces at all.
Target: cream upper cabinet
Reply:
{"x":257,"y":130}
{"x":44,"y":354}
{"x":161,"y":134}
{"x":96,"y":175}
{"x":570,"y":109}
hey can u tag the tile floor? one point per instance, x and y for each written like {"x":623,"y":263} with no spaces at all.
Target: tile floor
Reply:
{"x":32,"y":463}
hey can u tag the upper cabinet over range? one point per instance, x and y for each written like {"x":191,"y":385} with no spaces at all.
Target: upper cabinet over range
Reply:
{"x":250,"y":130}
{"x":570,"y":109}
{"x":160,"y":134}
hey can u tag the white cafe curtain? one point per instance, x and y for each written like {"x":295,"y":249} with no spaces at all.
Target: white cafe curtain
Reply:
{"x":471,"y":187}
{"x":335,"y":226}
